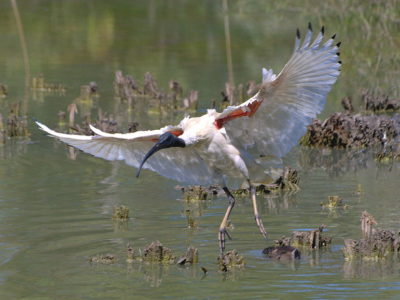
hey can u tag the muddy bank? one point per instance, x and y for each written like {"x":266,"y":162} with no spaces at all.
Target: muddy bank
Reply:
{"x":344,"y":130}
{"x":374,"y":125}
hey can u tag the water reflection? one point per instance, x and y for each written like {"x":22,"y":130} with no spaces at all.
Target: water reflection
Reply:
{"x":335,"y":162}
{"x":358,"y":269}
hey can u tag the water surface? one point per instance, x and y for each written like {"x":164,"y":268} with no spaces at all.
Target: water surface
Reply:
{"x":55,"y":212}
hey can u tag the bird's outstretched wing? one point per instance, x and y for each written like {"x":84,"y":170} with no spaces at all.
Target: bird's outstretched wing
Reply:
{"x":181,"y":164}
{"x":272,"y":122}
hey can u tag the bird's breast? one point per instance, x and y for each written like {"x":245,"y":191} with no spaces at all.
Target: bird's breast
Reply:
{"x":221,"y":156}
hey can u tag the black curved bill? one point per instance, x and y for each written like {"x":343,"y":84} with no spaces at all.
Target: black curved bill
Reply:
{"x":153,"y":150}
{"x":166,"y":140}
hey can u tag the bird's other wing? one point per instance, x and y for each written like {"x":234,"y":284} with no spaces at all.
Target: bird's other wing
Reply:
{"x":181,"y":164}
{"x":272,"y":121}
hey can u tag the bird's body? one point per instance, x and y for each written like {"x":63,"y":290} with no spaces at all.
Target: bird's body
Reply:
{"x":213,"y":146}
{"x":221,"y":147}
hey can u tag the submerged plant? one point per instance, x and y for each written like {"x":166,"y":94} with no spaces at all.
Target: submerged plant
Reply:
{"x":121,"y":213}
{"x":103,"y":259}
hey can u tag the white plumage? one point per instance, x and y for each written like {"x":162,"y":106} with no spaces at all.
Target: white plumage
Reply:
{"x":217,"y":147}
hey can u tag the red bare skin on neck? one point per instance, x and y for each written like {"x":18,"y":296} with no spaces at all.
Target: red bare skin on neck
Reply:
{"x":251,"y":109}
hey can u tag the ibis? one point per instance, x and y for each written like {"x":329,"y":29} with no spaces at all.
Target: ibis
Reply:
{"x":237,"y":145}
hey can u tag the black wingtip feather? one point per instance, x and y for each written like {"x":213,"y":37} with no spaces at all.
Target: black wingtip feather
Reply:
{"x":338,"y":53}
{"x":338,"y":44}
{"x":298,"y":33}
{"x":309,"y":26}
{"x":333,"y":36}
{"x":323,"y":29}
{"x":340,"y":62}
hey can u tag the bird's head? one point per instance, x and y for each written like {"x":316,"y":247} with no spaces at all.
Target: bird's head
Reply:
{"x":166,"y":140}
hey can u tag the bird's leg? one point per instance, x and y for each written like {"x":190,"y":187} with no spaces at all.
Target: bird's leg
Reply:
{"x":222,"y":228}
{"x":256,"y":214}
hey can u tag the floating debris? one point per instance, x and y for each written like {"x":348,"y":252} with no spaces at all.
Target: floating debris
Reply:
{"x":121,"y":213}
{"x":352,"y":131}
{"x":103,"y":259}
{"x":283,"y":253}
{"x":379,"y":103}
{"x":375,"y":244}
{"x":335,"y":202}
{"x":229,"y":260}
{"x":156,"y":252}
{"x":191,"y":257}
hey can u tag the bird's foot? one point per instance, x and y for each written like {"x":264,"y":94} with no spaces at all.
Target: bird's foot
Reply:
{"x":221,"y":238}
{"x":261,"y":226}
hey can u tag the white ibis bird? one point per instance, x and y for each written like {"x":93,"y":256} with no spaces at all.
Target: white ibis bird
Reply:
{"x":233,"y":144}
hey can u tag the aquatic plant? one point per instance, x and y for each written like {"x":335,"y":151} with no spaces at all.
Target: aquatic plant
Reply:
{"x":103,"y":259}
{"x":121,"y":213}
{"x":156,"y":252}
{"x":348,"y":131}
{"x":376,"y":243}
{"x":313,"y":239}
{"x":334,"y":202}
{"x":191,"y":256}
{"x":229,"y":260}
{"x":38,"y":83}
{"x":14,"y":125}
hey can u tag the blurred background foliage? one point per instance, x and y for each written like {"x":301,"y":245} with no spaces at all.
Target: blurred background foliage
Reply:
{"x":74,"y":42}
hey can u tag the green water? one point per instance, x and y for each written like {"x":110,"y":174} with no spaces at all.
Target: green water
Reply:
{"x":55,"y":212}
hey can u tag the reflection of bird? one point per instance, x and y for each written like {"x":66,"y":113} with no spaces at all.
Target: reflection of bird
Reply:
{"x":237,"y":143}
